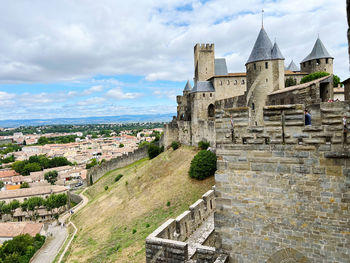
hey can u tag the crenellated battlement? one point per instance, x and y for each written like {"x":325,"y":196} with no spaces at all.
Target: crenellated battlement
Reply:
{"x":204,"y":47}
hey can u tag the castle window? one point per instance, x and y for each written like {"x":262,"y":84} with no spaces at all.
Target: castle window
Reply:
{"x":242,"y":82}
{"x":267,"y":80}
{"x":317,"y":62}
{"x":228,"y":82}
{"x":211,"y":111}
{"x":211,"y":95}
{"x":254,"y":66}
{"x":326,"y":60}
{"x":253,"y":106}
{"x":266,"y":65}
{"x":236,"y":82}
{"x":304,"y":64}
{"x":220,"y":83}
{"x":309,"y":63}
{"x":203,"y":95}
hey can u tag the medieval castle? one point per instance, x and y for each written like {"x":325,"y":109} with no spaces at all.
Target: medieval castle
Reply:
{"x":282,"y":189}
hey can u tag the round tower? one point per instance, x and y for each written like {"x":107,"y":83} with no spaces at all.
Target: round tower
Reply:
{"x":265,"y":74}
{"x":318,"y":60}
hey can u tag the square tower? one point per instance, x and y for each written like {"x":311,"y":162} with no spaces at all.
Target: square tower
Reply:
{"x":204,"y":62}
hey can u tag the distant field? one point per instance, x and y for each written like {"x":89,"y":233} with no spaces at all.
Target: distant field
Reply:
{"x":114,"y":224}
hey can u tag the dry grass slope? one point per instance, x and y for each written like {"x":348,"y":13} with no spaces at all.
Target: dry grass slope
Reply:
{"x":114,"y":224}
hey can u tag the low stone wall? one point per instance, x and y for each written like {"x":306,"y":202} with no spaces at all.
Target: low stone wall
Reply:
{"x":75,"y":198}
{"x":98,"y":171}
{"x":166,"y":244}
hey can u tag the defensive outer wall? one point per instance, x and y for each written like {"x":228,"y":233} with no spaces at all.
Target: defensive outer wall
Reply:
{"x":283,"y":189}
{"x":170,"y":242}
{"x":98,"y":171}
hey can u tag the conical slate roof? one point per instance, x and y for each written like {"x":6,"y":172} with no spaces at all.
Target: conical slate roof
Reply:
{"x":318,"y":51}
{"x":263,"y":49}
{"x":276,"y":52}
{"x":188,"y":86}
{"x":292,"y":67}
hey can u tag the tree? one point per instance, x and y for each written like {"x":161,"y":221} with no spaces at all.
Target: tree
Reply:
{"x":24,"y":185}
{"x":153,"y":150}
{"x":290,"y":82}
{"x":203,"y":165}
{"x":121,"y":145}
{"x":92,"y":163}
{"x":43,"y":140}
{"x":336,"y":80}
{"x":31,"y":167}
{"x":51,"y":176}
{"x":2,"y":184}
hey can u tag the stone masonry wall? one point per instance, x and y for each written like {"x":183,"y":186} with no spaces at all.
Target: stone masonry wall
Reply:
{"x":167,"y":243}
{"x":98,"y":171}
{"x":283,"y":189}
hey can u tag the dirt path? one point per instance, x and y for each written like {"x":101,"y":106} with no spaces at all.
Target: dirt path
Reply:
{"x":55,"y":242}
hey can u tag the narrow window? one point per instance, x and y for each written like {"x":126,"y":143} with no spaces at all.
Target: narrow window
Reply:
{"x":267,"y":80}
{"x":253,"y":106}
{"x":267,"y":140}
{"x":242,"y":82}
{"x":203,"y":95}
{"x":199,"y":213}
{"x":228,"y":82}
{"x":266,"y":65}
{"x":254,"y":66}
{"x":236,"y":82}
{"x":220,"y":83}
{"x":211,"y":95}
{"x":211,"y":205}
{"x":326,"y":60}
{"x":309,"y":62}
{"x":244,"y":140}
{"x":317,"y":62}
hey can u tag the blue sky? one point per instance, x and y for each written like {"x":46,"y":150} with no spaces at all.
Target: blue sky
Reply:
{"x":98,"y":58}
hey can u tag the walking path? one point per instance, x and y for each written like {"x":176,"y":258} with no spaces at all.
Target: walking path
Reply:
{"x":55,"y":242}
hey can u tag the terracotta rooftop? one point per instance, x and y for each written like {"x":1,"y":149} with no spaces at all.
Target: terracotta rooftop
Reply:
{"x":7,"y":173}
{"x":12,"y":229}
{"x":27,"y":192}
{"x":289,"y":72}
{"x":338,"y":90}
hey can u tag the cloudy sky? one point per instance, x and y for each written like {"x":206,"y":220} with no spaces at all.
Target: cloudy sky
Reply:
{"x":72,"y":58}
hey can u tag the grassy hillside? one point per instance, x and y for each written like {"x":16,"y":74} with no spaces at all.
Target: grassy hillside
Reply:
{"x":114,"y":224}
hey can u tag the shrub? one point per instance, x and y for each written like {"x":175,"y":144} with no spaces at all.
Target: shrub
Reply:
{"x":313,"y":76}
{"x":147,"y":225}
{"x":134,"y":231}
{"x":143,"y":144}
{"x":336,"y":80}
{"x":119,"y":176}
{"x":203,"y":165}
{"x":203,"y":145}
{"x":175,"y":145}
{"x":24,"y":185}
{"x":153,"y":150}
{"x":106,"y":187}
{"x":168,"y":203}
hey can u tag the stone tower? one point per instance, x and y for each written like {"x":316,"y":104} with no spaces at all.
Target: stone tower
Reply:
{"x":318,"y":60}
{"x":265,"y":73}
{"x":204,"y":62}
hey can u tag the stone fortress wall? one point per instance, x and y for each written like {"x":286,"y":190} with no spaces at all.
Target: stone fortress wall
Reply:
{"x":98,"y":171}
{"x":283,"y":189}
{"x":169,"y":242}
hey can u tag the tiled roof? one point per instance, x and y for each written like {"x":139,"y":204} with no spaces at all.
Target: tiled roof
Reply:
{"x":188,"y":86}
{"x":7,"y":173}
{"x":304,"y":85}
{"x":220,"y":66}
{"x":292,"y":66}
{"x":12,"y":229}
{"x":203,"y":86}
{"x":318,"y":51}
{"x":24,"y":192}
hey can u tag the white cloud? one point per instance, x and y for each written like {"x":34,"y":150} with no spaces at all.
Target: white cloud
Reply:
{"x":91,"y":101}
{"x":170,"y":94}
{"x":93,"y":89}
{"x":118,"y":94}
{"x":71,"y":40}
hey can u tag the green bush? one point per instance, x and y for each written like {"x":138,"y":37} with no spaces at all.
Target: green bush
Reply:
{"x":336,"y":80}
{"x":134,"y":231}
{"x":203,"y":145}
{"x":119,"y":176}
{"x":313,"y":76}
{"x":106,"y":187}
{"x":153,"y":150}
{"x":175,"y":145}
{"x":290,"y":82}
{"x":147,"y":225}
{"x":203,"y":165}
{"x":168,"y":203}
